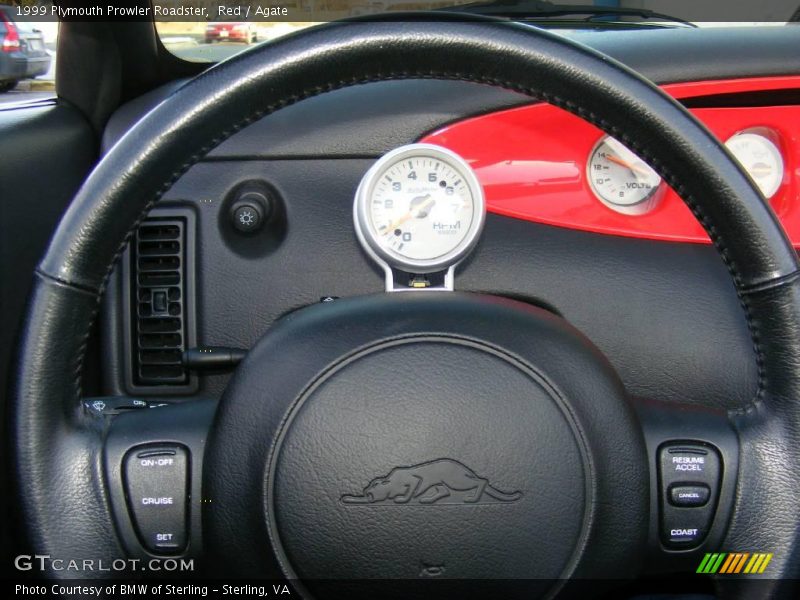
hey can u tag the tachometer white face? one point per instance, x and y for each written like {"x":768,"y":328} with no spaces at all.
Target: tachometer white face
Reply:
{"x":761,"y":159}
{"x":420,"y":208}
{"x":619,"y":178}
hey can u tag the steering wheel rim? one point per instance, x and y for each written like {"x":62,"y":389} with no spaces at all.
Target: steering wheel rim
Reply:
{"x":62,"y":449}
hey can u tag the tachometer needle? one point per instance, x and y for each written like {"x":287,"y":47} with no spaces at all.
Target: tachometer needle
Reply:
{"x":413,"y":212}
{"x":628,"y":165}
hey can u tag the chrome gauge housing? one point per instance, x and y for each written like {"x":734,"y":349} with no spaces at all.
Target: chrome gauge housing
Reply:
{"x":419,"y":210}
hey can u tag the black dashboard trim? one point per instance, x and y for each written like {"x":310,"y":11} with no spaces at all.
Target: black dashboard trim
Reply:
{"x":356,"y":125}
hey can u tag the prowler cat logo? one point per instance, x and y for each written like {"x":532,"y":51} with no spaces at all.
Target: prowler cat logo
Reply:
{"x":441,"y":481}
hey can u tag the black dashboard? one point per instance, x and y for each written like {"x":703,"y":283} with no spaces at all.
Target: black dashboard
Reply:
{"x":666,"y":314}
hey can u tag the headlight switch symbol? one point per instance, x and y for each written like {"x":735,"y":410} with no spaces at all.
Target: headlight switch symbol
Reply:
{"x":250,"y":211}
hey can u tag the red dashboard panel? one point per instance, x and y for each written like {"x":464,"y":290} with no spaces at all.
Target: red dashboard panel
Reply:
{"x":532,"y":162}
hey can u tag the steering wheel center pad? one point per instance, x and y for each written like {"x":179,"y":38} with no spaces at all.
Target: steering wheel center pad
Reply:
{"x":427,"y":427}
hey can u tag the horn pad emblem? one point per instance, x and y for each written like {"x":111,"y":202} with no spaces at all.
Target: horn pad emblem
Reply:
{"x":426,"y":451}
{"x":437,"y":482}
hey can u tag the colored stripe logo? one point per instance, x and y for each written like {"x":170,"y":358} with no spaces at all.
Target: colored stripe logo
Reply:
{"x":733,"y":563}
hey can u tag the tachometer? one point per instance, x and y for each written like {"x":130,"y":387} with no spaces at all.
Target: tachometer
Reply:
{"x":419,"y":210}
{"x":761,"y":159}
{"x":620,"y":179}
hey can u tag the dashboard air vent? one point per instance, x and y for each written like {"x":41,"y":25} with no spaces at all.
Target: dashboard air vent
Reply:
{"x":158,"y":303}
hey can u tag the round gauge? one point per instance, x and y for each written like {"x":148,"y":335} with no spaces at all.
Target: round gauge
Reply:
{"x":620,"y":179}
{"x":419,"y":209}
{"x":760,"y":157}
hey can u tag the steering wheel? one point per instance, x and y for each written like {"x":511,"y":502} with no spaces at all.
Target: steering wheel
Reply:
{"x":511,"y":450}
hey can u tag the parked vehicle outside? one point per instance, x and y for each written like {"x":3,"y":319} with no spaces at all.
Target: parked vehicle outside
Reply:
{"x":231,"y":32}
{"x":23,"y":54}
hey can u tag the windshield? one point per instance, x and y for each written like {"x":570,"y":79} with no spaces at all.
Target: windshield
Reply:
{"x":210,"y":32}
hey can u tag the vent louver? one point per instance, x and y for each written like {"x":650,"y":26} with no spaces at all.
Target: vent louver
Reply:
{"x":158,"y":286}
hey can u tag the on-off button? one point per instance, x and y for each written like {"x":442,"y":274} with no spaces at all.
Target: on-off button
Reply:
{"x":156,"y":479}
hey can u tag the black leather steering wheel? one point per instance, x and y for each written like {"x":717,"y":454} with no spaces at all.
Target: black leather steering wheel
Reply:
{"x":64,"y":470}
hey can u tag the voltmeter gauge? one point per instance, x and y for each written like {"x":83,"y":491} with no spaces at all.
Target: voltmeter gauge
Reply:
{"x":761,"y":158}
{"x":620,"y":179}
{"x":419,"y":210}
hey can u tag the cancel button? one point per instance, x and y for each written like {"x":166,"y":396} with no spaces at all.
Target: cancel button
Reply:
{"x":688,"y":495}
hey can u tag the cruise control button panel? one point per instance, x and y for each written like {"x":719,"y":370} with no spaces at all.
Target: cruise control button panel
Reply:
{"x":689,"y":478}
{"x":156,"y":479}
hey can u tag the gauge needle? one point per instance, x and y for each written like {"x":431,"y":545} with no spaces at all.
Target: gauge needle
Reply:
{"x":632,"y":167}
{"x":417,"y":210}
